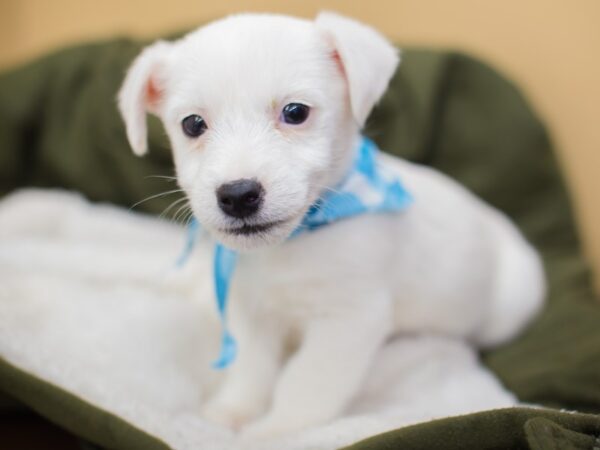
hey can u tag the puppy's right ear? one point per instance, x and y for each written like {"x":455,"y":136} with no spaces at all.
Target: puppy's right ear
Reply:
{"x":142,"y":92}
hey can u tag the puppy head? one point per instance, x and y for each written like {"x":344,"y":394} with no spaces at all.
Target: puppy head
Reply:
{"x":263,"y":113}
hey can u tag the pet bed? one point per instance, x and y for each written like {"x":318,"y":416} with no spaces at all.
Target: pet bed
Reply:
{"x":59,"y":128}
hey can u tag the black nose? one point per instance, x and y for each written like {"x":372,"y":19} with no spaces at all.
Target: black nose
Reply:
{"x":240,"y":198}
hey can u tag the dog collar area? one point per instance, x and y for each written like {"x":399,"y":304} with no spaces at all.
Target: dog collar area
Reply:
{"x":369,"y":187}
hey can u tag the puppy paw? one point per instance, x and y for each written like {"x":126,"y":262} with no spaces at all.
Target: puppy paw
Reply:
{"x":233,"y":416}
{"x":267,"y":427}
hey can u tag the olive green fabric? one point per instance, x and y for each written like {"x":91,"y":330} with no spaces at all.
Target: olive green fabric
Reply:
{"x":73,"y":413}
{"x":59,"y":128}
{"x":503,"y":429}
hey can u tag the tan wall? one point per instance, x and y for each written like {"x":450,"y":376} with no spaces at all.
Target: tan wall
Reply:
{"x":550,"y":47}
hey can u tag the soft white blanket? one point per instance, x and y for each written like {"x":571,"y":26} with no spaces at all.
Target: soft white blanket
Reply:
{"x":91,"y":301}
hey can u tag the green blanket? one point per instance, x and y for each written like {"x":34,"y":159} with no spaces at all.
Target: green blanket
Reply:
{"x":59,"y":128}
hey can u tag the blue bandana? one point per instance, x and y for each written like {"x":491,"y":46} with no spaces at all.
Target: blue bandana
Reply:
{"x":367,"y":188}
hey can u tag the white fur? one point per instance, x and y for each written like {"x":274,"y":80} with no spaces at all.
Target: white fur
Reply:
{"x":80,"y":310}
{"x":450,"y":265}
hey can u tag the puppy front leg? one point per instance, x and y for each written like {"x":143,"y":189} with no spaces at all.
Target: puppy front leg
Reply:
{"x":323,"y":376}
{"x":248,"y":383}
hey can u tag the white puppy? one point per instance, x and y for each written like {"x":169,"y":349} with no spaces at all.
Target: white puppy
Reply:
{"x":268,"y":109}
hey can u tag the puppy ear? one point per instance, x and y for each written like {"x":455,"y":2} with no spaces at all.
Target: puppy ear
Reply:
{"x":367,"y":59}
{"x":141,"y":92}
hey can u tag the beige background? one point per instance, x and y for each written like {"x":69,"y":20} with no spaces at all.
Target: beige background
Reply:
{"x":551,"y":48}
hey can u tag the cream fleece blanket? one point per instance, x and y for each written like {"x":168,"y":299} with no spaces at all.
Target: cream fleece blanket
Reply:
{"x":91,"y":301}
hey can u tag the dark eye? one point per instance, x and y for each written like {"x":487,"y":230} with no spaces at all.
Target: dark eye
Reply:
{"x":193,"y":125}
{"x":295,"y":113}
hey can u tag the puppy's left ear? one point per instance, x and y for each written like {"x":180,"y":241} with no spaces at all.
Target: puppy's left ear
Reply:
{"x":142,"y":92}
{"x":367,"y":58}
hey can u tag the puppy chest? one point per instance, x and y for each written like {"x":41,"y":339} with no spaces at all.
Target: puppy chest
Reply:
{"x":292,"y":291}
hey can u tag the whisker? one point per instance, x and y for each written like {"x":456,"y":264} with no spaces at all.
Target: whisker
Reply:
{"x":178,"y":211}
{"x":189,"y":217}
{"x":165,"y":177}
{"x":161,"y":194}
{"x":182,"y":209}
{"x":172,"y":205}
